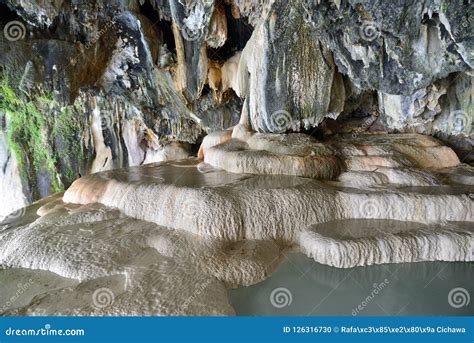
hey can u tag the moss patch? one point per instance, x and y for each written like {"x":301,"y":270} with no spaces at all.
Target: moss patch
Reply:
{"x":67,"y":135}
{"x":28,"y":134}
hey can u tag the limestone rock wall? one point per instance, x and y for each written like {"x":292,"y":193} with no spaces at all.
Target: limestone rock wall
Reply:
{"x":286,"y":75}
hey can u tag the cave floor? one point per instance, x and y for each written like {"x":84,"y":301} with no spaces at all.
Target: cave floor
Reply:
{"x":172,"y":238}
{"x":301,"y":287}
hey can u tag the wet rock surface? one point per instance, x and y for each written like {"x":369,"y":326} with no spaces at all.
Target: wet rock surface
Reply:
{"x":197,"y":141}
{"x":170,"y":238}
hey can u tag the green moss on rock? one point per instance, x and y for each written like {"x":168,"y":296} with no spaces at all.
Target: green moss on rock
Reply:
{"x":28,"y":134}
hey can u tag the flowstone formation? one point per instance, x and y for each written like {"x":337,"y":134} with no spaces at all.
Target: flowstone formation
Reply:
{"x":169,"y":238}
{"x":134,"y":82}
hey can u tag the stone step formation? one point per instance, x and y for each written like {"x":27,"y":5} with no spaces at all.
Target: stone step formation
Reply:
{"x":171,"y":150}
{"x":170,"y":238}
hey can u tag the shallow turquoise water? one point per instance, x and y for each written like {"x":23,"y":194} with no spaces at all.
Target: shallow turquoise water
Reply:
{"x":303,"y":287}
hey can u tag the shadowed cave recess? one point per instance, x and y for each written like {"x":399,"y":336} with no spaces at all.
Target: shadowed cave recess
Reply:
{"x":176,"y":157}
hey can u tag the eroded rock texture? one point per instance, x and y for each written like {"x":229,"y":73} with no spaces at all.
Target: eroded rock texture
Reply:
{"x":396,"y":47}
{"x":286,"y":75}
{"x":198,"y":140}
{"x":169,"y":238}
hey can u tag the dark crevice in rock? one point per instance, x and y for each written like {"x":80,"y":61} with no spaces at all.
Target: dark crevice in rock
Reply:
{"x":7,"y":15}
{"x":5,"y":165}
{"x":161,"y":26}
{"x":239,"y":32}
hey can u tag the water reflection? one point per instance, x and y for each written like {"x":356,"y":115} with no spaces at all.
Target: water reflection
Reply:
{"x":184,"y":173}
{"x":306,"y":288}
